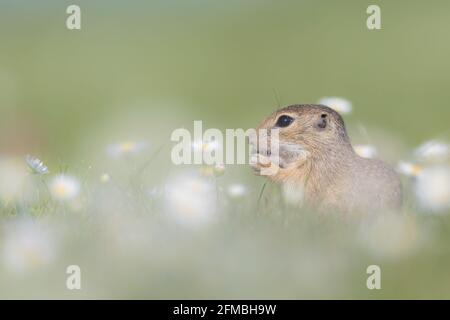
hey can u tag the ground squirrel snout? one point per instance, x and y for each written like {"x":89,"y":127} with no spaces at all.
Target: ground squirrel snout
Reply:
{"x":318,"y":166}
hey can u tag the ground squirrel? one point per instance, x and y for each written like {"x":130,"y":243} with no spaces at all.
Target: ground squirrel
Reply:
{"x":318,"y":166}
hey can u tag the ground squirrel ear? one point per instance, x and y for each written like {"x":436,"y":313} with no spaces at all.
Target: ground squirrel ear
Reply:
{"x":322,"y":122}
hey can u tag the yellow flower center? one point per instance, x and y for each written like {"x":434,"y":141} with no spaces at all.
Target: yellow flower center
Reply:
{"x":127,"y":146}
{"x":415,"y":170}
{"x":61,"y":189}
{"x":32,"y":257}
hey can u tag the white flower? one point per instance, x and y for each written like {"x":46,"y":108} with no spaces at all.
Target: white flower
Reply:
{"x":432,"y":188}
{"x":205,"y":146}
{"x":206,"y":150}
{"x":27,"y":245}
{"x":12,"y":177}
{"x":409,"y":169}
{"x":36,"y":165}
{"x":237,"y":190}
{"x":191,"y":199}
{"x":389,"y":235}
{"x":432,"y":151}
{"x":64,"y":187}
{"x":125,"y":148}
{"x":340,"y":105}
{"x":105,"y":178}
{"x":366,"y":151}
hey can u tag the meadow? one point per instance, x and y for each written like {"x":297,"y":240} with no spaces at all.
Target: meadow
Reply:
{"x":94,"y":110}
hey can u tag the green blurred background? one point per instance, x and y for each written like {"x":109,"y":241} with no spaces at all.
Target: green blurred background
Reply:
{"x":140,"y":69}
{"x":161,"y":64}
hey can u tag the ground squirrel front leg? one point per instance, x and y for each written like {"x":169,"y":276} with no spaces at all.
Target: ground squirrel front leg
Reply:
{"x":263,"y":165}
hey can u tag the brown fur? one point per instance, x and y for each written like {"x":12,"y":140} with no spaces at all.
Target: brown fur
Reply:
{"x":329,"y":174}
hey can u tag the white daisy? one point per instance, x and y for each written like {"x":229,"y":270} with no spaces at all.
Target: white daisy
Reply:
{"x":191,"y":200}
{"x":389,"y":235}
{"x":366,"y":151}
{"x":64,"y":187}
{"x":27,"y":245}
{"x":409,"y":169}
{"x":125,"y":148}
{"x":205,"y":146}
{"x":432,"y":188}
{"x":36,"y":165}
{"x":340,"y":105}
{"x":105,"y":178}
{"x":432,"y":151}
{"x":237,"y":190}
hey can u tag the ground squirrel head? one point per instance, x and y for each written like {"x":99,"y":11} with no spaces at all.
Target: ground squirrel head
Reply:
{"x":305,"y":131}
{"x":316,"y":164}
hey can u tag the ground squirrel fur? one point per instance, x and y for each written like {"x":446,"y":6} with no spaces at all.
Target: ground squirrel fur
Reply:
{"x":318,"y":166}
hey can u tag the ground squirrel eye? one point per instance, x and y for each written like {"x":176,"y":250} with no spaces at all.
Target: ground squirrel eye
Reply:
{"x":284,"y":121}
{"x":322,"y":123}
